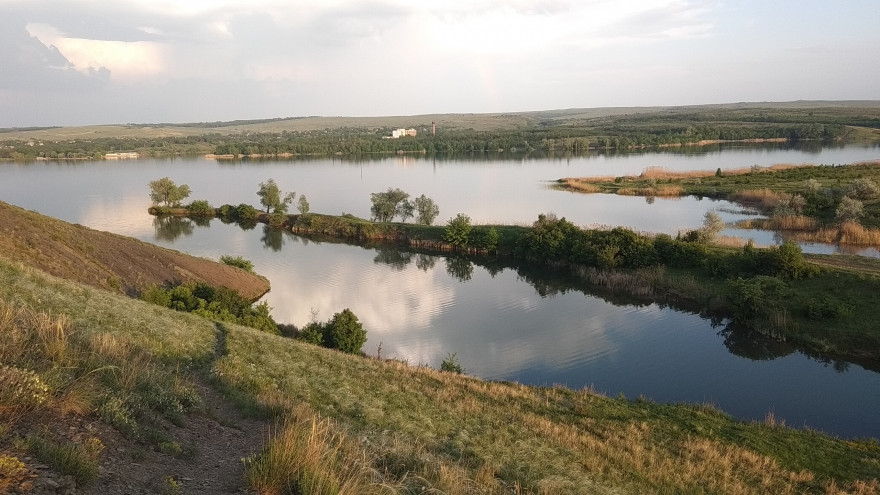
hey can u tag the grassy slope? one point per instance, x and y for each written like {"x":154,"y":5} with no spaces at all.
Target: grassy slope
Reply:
{"x":416,"y":427}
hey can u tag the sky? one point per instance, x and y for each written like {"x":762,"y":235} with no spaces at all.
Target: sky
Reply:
{"x":81,"y":62}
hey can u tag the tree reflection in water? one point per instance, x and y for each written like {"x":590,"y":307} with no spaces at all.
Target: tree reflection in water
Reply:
{"x":169,"y":228}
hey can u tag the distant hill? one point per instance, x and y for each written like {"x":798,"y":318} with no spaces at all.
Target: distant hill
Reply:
{"x":109,"y":261}
{"x":475,"y":121}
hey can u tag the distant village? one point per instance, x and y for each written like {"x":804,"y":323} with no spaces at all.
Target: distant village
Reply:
{"x":399,"y":133}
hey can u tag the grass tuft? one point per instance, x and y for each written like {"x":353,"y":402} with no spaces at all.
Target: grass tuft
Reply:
{"x":308,"y":454}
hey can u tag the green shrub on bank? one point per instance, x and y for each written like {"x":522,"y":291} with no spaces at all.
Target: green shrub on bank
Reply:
{"x":237,"y":261}
{"x":220,"y":303}
{"x":343,"y":332}
{"x":201,"y":208}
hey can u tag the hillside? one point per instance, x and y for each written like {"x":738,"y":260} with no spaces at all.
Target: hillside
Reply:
{"x":109,"y":261}
{"x":106,"y":394}
{"x":796,"y":111}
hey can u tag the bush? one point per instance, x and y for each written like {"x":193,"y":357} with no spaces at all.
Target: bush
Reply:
{"x":244,"y":212}
{"x":313,"y":333}
{"x":200,"y":207}
{"x":849,"y":209}
{"x":237,"y":261}
{"x":223,"y":304}
{"x":458,"y":231}
{"x":450,"y":364}
{"x":345,"y":332}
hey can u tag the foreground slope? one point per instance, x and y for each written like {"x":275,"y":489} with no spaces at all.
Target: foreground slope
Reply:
{"x":367,"y":426}
{"x":110,"y":261}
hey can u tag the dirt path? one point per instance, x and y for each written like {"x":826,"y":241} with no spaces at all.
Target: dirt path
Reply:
{"x":220,"y":436}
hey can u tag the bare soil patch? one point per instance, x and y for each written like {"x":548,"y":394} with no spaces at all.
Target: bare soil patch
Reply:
{"x":109,"y":261}
{"x":216,"y":440}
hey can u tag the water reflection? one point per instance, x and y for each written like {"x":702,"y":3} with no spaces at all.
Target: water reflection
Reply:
{"x":272,"y":238}
{"x":459,"y":268}
{"x":169,"y":228}
{"x":752,"y":345}
{"x":393,"y":257}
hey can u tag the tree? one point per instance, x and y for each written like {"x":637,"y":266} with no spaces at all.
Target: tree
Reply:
{"x":303,"y":205}
{"x":862,"y":189}
{"x":386,"y":205}
{"x":458,"y":230}
{"x":426,"y":210}
{"x":270,"y":197}
{"x":849,"y":210}
{"x":345,"y":332}
{"x":405,"y":210}
{"x":712,"y":225}
{"x":165,"y":191}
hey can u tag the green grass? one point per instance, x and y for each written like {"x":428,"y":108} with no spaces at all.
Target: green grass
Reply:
{"x":69,"y":349}
{"x":370,"y":426}
{"x":77,"y":460}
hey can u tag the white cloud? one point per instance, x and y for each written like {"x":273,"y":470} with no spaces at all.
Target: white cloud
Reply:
{"x":125,"y":60}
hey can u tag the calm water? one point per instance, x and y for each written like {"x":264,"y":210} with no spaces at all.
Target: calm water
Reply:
{"x":497,"y":322}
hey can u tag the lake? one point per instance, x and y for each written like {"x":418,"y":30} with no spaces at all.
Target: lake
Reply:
{"x":526,"y":325}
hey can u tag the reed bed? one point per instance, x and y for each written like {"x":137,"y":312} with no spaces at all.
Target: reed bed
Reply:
{"x":806,"y":229}
{"x":791,"y":222}
{"x":848,"y":233}
{"x":660,"y":191}
{"x":580,"y":186}
{"x":763,"y":199}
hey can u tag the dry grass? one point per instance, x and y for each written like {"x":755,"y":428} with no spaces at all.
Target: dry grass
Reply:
{"x":762,"y":199}
{"x":309,"y":454}
{"x":790,"y":222}
{"x":657,"y":191}
{"x":848,"y":233}
{"x":579,"y":186}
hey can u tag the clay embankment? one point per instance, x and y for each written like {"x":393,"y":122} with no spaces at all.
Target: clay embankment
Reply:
{"x":110,"y":261}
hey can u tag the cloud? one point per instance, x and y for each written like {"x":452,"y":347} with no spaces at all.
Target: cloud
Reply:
{"x":30,"y":64}
{"x":124,"y":60}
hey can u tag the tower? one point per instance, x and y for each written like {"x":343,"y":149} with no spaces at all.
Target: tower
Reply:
{"x":433,"y":129}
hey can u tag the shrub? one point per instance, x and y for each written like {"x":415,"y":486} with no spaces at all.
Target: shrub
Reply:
{"x":237,"y":261}
{"x":849,"y":210}
{"x":223,"y":304}
{"x":244,"y":212}
{"x":345,"y":332}
{"x":313,"y":333}
{"x":450,"y":364}
{"x":862,"y":189}
{"x":200,"y":207}
{"x":458,"y":231}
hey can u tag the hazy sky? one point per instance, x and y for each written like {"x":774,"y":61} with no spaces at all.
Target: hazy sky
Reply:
{"x":137,"y":61}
